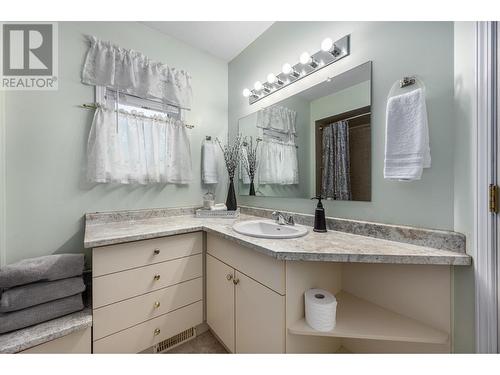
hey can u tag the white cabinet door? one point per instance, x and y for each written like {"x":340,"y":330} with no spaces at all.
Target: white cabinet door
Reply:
{"x":220,"y":300}
{"x":260,"y":317}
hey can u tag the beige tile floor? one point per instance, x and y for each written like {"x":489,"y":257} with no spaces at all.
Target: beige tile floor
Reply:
{"x":205,"y":343}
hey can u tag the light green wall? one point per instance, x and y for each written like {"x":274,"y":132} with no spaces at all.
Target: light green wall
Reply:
{"x":47,"y":132}
{"x":353,"y":97}
{"x":396,"y":49}
{"x":464,"y":177}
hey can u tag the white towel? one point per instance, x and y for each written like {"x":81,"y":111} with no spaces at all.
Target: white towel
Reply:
{"x":209,"y":168}
{"x":178,"y":154}
{"x":244,"y":177}
{"x":407,"y":149}
{"x":218,"y":207}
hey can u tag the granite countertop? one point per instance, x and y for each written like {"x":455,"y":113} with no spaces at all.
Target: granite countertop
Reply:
{"x":22,"y":339}
{"x":333,"y":246}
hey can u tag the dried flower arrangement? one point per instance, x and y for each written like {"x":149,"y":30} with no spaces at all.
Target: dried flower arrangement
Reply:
{"x":232,"y":153}
{"x":250,"y":162}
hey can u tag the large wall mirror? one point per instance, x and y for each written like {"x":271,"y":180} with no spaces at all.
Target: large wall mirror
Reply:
{"x":315,"y":142}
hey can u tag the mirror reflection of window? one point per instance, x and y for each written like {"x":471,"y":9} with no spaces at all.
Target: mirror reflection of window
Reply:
{"x":278,"y":153}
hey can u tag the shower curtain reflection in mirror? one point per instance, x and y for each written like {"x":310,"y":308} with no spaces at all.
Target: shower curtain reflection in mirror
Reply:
{"x":336,"y":181}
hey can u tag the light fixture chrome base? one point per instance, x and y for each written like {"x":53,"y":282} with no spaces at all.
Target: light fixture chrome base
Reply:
{"x":340,"y":49}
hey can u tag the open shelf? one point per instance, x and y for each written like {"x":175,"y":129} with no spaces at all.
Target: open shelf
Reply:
{"x":360,"y":319}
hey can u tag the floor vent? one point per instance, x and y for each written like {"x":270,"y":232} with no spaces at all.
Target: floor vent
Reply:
{"x":173,"y":341}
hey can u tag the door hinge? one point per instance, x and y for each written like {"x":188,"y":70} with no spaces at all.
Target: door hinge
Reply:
{"x":493,"y":198}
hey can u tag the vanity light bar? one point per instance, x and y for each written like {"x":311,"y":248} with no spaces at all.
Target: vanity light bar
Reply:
{"x":329,"y":53}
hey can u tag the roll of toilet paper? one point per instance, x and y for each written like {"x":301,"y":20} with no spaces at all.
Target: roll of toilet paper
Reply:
{"x":321,"y":309}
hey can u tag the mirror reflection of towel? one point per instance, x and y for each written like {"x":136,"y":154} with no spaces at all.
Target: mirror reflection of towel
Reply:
{"x":244,"y":177}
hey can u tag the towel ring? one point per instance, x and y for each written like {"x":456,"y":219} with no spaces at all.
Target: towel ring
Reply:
{"x":404,"y":86}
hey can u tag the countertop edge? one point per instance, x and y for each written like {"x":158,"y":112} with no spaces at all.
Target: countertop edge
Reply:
{"x":54,"y":329}
{"x":140,"y":237}
{"x":453,"y":259}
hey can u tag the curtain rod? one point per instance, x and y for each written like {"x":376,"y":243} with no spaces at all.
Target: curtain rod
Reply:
{"x":94,"y":106}
{"x":259,"y":139}
{"x":352,"y":118}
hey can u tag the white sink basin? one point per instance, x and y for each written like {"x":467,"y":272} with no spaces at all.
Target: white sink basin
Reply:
{"x":269,"y":229}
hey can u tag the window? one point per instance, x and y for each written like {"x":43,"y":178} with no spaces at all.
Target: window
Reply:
{"x":144,"y":142}
{"x":129,"y":102}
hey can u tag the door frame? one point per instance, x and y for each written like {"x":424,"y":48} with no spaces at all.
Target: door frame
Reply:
{"x":485,"y":222}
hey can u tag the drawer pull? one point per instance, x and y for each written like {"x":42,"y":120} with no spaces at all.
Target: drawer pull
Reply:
{"x":157,"y":277}
{"x":157,"y":331}
{"x":229,"y":277}
{"x":156,"y":251}
{"x":157,"y":304}
{"x":236,"y":281}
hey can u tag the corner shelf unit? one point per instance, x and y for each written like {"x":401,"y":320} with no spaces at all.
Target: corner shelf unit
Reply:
{"x":360,"y":319}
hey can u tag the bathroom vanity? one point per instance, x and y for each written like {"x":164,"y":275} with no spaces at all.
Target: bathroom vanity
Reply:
{"x":157,"y":277}
{"x":145,"y":292}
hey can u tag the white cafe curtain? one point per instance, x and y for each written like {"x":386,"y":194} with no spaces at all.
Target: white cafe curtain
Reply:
{"x":137,"y":149}
{"x":278,"y":163}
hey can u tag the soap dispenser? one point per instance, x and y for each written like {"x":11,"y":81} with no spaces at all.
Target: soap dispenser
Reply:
{"x":319,"y":216}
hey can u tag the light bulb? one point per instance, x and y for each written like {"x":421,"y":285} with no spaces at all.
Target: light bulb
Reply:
{"x":258,"y":86}
{"x":305,"y":58}
{"x":286,"y":68}
{"x":246,"y":93}
{"x":327,"y":44}
{"x":271,"y":78}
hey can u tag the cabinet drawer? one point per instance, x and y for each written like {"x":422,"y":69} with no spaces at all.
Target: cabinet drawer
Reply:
{"x":118,"y":316}
{"x":142,"y":336}
{"x":263,"y":268}
{"x":115,"y":258}
{"x":119,"y":286}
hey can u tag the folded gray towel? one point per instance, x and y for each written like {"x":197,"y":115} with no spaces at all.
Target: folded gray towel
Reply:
{"x":40,"y":313}
{"x":46,"y":268}
{"x":34,"y":294}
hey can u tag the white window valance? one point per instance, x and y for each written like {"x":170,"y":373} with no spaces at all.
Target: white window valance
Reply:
{"x":277,"y":118}
{"x":134,"y":73}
